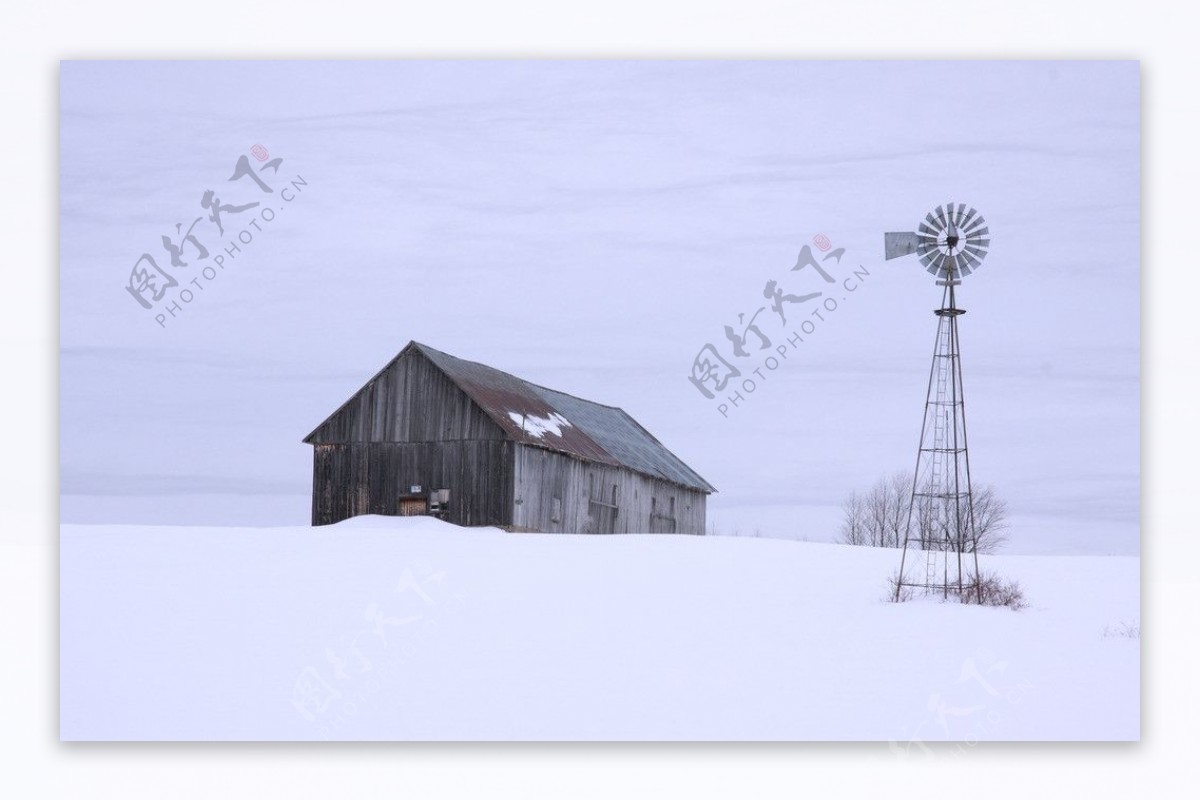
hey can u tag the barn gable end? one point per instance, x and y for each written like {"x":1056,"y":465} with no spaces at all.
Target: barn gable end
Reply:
{"x":382,"y":410}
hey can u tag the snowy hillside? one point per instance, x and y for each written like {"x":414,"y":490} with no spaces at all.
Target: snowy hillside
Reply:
{"x":384,"y":628}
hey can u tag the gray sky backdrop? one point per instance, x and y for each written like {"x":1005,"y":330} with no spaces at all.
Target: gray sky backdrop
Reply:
{"x":590,"y":226}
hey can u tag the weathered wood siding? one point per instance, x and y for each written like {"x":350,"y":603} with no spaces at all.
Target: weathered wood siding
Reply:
{"x":559,"y":493}
{"x":370,"y":477}
{"x":410,"y":401}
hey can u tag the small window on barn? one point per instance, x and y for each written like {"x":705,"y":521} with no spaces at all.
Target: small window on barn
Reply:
{"x":556,"y":510}
{"x":614,"y":495}
{"x":671,"y":509}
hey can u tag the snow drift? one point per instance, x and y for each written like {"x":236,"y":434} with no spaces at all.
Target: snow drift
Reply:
{"x":411,"y":629}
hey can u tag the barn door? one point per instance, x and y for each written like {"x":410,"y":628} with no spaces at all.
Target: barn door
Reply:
{"x":602,"y":507}
{"x":662,"y":522}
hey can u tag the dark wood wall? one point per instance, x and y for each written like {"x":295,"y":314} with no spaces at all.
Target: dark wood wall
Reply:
{"x":370,"y":478}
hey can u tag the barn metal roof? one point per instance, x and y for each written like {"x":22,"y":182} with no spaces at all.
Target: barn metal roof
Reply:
{"x":545,"y":418}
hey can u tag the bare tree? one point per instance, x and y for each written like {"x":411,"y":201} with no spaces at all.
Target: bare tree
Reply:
{"x":991,"y":519}
{"x":898,"y":493}
{"x":880,"y":516}
{"x":877,"y":515}
{"x":854,"y":523}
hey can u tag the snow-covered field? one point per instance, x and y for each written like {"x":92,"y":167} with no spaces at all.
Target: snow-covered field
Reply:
{"x":385,"y":628}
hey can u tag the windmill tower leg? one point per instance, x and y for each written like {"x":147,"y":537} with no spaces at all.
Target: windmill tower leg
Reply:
{"x":940,"y":523}
{"x":972,"y":530}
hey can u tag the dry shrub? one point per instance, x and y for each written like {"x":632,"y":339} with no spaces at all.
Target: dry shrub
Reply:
{"x":1130,"y":630}
{"x":988,"y":589}
{"x":906,"y":593}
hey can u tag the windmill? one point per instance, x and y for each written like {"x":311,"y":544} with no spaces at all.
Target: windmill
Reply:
{"x":940,"y":529}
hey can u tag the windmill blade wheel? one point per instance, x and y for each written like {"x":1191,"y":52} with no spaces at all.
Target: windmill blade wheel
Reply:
{"x":950,"y":242}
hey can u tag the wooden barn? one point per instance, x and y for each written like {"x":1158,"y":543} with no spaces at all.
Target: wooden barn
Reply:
{"x":434,"y":434}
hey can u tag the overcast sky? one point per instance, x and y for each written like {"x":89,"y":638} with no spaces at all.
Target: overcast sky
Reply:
{"x":591,"y":226}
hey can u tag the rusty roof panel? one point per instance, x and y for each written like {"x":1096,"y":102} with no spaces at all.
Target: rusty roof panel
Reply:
{"x":546,"y":418}
{"x":518,"y":408}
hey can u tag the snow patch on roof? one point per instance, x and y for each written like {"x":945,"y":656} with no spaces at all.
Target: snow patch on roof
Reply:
{"x":536,"y":426}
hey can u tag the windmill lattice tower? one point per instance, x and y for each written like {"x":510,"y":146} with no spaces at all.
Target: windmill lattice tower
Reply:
{"x":940,"y":534}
